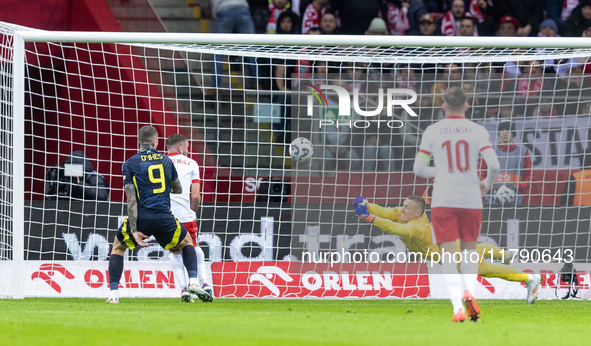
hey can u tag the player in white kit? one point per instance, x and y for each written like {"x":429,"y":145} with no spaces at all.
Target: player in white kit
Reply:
{"x":184,"y":207}
{"x":456,"y":205}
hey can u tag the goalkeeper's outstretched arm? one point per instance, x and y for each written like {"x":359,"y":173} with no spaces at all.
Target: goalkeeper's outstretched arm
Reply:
{"x":391,"y":227}
{"x":387,"y":226}
{"x":383,"y":212}
{"x":377,"y":210}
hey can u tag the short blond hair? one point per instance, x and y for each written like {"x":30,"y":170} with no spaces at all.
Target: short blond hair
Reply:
{"x":419,"y":200}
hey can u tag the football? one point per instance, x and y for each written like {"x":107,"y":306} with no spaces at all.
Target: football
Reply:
{"x":301,"y":149}
{"x":504,"y":193}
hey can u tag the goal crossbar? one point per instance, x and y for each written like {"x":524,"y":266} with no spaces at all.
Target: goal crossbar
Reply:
{"x":313,"y":40}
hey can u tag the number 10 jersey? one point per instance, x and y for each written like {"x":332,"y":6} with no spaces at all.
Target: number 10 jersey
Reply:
{"x":455,"y":144}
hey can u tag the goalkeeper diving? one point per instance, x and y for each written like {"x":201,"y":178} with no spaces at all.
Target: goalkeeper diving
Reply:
{"x":411,"y":224}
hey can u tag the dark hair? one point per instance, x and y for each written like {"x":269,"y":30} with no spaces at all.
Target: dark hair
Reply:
{"x":174,"y":140}
{"x":147,"y":134}
{"x":331,"y":13}
{"x":455,"y":99}
{"x":419,"y":200}
{"x":314,"y":28}
{"x":451,"y":2}
{"x":317,"y":63}
{"x":469,"y":18}
{"x":508,"y":125}
{"x":295,"y":23}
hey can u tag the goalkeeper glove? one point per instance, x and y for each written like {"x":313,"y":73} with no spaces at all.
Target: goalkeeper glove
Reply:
{"x":360,"y":200}
{"x":362,"y":213}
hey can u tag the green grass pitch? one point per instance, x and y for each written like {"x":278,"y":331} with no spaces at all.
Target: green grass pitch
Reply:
{"x":289,"y":322}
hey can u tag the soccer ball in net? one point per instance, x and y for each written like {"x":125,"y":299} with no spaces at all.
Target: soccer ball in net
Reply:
{"x":301,"y":149}
{"x":504,"y":193}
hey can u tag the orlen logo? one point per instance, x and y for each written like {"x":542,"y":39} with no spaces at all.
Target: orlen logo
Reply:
{"x":265,"y":274}
{"x":47,"y":271}
{"x":344,"y":106}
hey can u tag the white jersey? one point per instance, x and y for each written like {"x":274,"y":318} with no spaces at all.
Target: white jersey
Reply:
{"x":188,"y":172}
{"x":455,"y":144}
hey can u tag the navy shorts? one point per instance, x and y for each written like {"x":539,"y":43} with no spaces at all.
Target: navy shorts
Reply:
{"x":169,"y":232}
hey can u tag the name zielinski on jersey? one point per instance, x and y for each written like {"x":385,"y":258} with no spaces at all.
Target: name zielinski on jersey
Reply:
{"x":454,"y":130}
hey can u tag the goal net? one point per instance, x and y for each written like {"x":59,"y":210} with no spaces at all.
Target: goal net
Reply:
{"x":72,"y":104}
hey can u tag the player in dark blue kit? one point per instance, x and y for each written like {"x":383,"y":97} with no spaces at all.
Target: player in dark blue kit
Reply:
{"x":149,"y":179}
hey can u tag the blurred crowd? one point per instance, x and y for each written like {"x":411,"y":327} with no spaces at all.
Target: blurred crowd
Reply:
{"x":549,"y":18}
{"x":513,"y":89}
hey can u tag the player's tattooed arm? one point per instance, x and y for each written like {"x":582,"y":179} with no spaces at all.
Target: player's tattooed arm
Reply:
{"x":176,"y":187}
{"x":131,"y":207}
{"x":132,"y":215}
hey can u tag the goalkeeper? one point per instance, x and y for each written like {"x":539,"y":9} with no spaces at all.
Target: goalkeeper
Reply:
{"x":411,"y":224}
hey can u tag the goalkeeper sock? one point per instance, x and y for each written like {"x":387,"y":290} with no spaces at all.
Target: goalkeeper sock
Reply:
{"x":200,"y":264}
{"x":469,"y":269}
{"x":176,"y":262}
{"x":115,"y":271}
{"x":453,"y":283}
{"x":190,"y":261}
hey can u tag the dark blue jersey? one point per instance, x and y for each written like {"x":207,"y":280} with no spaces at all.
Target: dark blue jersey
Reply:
{"x":152,"y":174}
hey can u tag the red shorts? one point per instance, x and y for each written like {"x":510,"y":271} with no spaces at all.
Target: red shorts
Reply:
{"x":193,"y":230}
{"x":450,"y":224}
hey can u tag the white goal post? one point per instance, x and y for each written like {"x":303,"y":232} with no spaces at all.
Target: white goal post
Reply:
{"x":89,"y":92}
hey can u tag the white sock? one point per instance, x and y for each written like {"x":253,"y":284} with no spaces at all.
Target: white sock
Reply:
{"x":193,"y":281}
{"x":453,"y":283}
{"x":201,"y":273}
{"x":454,"y":289}
{"x":178,"y":268}
{"x":530,"y":280}
{"x":114,"y":294}
{"x":469,"y":269}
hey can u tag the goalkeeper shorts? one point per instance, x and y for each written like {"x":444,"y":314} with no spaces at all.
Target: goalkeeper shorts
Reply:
{"x":450,"y":224}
